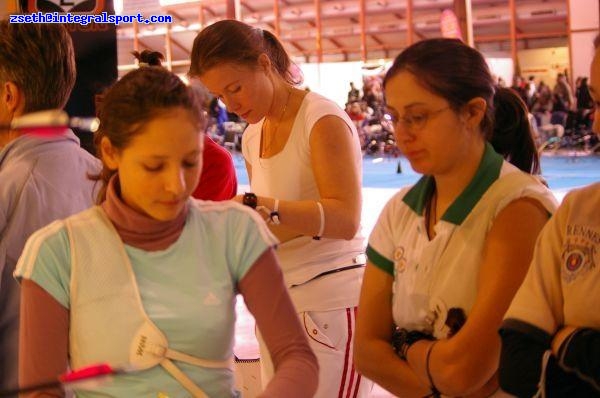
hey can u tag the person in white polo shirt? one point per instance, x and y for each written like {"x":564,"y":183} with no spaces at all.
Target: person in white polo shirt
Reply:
{"x":446,"y":255}
{"x":551,"y":335}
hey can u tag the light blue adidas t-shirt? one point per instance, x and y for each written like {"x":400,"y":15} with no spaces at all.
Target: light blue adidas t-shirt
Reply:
{"x":188,"y":290}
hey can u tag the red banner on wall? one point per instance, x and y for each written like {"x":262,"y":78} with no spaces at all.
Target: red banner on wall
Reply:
{"x":449,"y":25}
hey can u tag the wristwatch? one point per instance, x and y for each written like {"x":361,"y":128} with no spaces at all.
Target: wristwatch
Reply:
{"x":250,"y":200}
{"x":402,"y":339}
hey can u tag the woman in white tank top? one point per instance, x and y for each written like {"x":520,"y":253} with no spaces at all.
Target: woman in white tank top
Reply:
{"x":304,"y":162}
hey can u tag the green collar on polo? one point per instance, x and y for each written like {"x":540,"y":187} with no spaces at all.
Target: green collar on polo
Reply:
{"x":487,"y":172}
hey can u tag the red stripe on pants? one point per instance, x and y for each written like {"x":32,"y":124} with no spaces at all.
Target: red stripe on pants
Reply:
{"x":347,"y":357}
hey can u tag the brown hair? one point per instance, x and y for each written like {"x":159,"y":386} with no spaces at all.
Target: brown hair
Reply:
{"x":513,"y":136}
{"x":458,"y":73}
{"x":149,"y":58}
{"x":231,"y":41}
{"x":139,"y":97}
{"x":39,"y":59}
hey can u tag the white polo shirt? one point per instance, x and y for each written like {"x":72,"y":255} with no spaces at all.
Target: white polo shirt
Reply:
{"x":434,"y":276}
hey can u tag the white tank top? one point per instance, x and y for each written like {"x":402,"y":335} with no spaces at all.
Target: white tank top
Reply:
{"x":289,"y":176}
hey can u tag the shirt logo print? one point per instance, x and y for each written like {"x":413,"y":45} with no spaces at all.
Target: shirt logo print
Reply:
{"x":579,"y":252}
{"x":399,"y":260}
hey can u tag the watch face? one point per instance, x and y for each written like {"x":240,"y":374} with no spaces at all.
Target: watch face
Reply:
{"x":250,"y":200}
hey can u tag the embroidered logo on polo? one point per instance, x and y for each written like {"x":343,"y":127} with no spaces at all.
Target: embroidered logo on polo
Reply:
{"x":579,"y":252}
{"x":399,"y":260}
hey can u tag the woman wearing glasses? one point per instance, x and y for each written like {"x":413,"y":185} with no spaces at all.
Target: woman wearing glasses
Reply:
{"x":447,"y":254}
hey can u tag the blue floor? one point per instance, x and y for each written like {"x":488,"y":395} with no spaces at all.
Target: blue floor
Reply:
{"x":561,"y":172}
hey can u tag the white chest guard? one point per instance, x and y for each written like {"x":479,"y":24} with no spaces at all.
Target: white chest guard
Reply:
{"x":108,"y":321}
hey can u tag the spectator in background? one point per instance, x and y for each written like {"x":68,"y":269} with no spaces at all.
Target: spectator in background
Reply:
{"x":356,"y":113}
{"x":373,"y":94}
{"x":562,"y":95}
{"x":519,"y":87}
{"x":585,"y":105}
{"x":42,"y":177}
{"x":584,"y":99}
{"x":542,"y":111}
{"x":578,"y":84}
{"x":353,"y":94}
{"x":543,"y":99}
{"x":218,"y":114}
{"x":531,"y":90}
{"x":551,"y":334}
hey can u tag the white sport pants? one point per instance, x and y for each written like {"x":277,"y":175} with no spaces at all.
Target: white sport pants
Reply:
{"x":331,"y":337}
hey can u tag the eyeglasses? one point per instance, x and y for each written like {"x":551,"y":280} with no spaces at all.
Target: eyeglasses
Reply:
{"x":415,"y":121}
